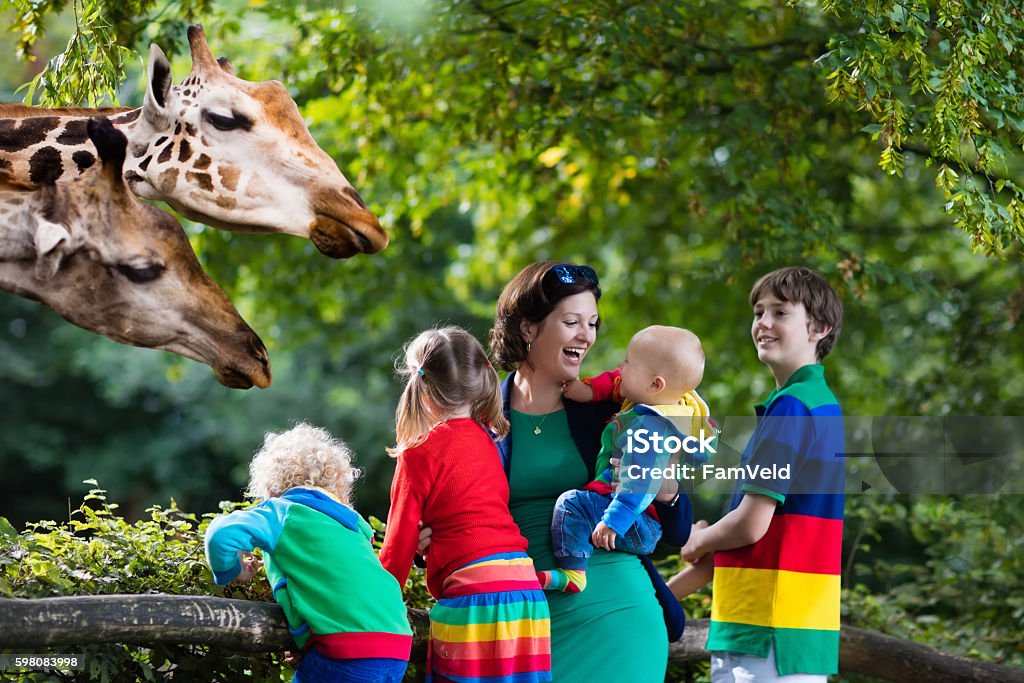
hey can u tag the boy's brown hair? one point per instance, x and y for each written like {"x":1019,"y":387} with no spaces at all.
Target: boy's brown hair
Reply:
{"x":802,"y":285}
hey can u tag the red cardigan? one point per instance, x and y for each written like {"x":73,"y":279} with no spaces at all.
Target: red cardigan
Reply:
{"x":454,"y":483}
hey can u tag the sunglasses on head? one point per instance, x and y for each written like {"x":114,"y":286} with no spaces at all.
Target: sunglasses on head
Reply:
{"x":570,"y":274}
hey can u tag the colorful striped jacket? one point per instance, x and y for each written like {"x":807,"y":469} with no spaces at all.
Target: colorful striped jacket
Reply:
{"x":634,"y":491}
{"x":783,"y":590}
{"x":326,"y":577}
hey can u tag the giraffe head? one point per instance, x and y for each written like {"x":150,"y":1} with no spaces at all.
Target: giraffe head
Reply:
{"x":237,"y":155}
{"x":116,"y":266}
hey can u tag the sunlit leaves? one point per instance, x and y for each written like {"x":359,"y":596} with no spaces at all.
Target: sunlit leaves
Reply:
{"x":105,"y":39}
{"x":962,"y":68}
{"x":90,"y":68}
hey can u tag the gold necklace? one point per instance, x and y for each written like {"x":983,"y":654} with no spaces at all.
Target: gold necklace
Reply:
{"x":537,"y":425}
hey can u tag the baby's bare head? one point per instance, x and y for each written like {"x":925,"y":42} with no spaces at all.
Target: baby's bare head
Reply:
{"x":673,"y":353}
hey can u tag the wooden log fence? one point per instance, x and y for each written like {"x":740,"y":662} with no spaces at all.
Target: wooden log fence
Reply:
{"x":246,"y":626}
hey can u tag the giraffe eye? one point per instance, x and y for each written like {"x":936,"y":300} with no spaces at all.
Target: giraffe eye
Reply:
{"x":233,"y":122}
{"x":140,"y":274}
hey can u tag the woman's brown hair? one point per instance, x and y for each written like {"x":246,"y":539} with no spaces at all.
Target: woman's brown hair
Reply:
{"x":531,"y":295}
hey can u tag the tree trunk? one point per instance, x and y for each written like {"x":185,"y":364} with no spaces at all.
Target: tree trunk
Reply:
{"x":242,"y":625}
{"x":248,"y":626}
{"x":893,"y":659}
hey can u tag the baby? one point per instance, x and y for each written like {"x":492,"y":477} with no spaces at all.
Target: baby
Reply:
{"x":658,"y":380}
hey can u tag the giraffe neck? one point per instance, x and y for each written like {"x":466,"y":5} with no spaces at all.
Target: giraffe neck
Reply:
{"x":40,"y":146}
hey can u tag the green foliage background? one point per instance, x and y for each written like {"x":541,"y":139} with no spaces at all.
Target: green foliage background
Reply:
{"x":682,"y":149}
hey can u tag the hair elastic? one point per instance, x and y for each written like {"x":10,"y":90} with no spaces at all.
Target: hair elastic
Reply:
{"x":421,"y":373}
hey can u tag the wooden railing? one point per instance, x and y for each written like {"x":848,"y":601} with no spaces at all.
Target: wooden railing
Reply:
{"x":247,"y":626}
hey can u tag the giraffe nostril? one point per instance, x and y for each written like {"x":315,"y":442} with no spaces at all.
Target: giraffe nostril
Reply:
{"x":257,"y":349}
{"x":351,"y":192}
{"x":364,"y":242}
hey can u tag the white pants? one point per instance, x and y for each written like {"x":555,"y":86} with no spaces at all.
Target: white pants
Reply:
{"x":730,"y":667}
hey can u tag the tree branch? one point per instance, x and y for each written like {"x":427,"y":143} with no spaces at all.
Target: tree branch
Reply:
{"x":893,"y":659}
{"x":504,"y":26}
{"x":985,"y":176}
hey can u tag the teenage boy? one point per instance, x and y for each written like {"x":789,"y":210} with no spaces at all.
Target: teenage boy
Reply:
{"x":777,"y":553}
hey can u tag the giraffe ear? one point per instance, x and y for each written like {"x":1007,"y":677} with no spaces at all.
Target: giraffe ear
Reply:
{"x":226,"y":66}
{"x":158,"y":88}
{"x":51,"y":241}
{"x":110,"y":143}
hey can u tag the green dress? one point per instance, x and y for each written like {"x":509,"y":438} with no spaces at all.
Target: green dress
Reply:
{"x":613,"y":630}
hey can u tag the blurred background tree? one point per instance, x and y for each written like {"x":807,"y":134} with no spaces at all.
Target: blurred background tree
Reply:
{"x":682,"y":149}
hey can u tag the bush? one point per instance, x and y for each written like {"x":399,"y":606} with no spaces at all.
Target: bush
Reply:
{"x":944,"y":571}
{"x":98,"y":552}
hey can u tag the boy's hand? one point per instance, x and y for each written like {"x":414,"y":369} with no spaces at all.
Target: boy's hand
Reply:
{"x":578,"y":391}
{"x":693,"y":550}
{"x":250,"y":565}
{"x":603,"y":537}
{"x":691,"y":578}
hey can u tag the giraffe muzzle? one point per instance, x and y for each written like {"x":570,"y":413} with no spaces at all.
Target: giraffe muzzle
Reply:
{"x":344,"y":240}
{"x":342,"y":230}
{"x":248,"y":371}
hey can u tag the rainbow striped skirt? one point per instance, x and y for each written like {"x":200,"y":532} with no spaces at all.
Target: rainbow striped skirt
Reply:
{"x":491,"y":624}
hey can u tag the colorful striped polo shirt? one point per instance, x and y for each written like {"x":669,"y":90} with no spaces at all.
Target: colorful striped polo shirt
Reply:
{"x":783,"y":590}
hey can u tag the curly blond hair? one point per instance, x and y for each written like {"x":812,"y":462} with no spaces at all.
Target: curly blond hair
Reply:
{"x":302,"y":456}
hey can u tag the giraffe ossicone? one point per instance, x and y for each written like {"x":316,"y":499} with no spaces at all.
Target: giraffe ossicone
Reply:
{"x":230,"y":153}
{"x":86,"y":247}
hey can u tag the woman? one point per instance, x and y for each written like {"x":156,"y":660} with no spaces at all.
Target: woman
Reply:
{"x":546,"y":322}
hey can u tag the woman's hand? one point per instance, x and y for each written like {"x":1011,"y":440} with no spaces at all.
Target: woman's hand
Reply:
{"x":603,"y":537}
{"x":423,"y":547}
